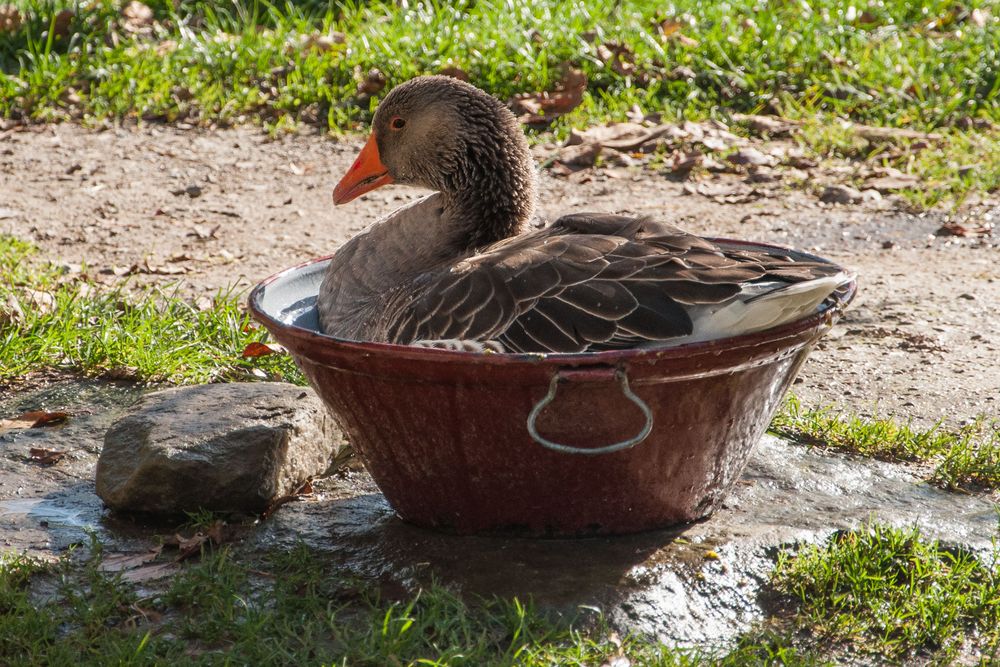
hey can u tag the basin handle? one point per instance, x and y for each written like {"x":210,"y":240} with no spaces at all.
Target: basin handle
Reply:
{"x":581,"y":375}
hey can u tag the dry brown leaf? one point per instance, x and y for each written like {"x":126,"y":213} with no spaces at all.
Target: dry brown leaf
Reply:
{"x":541,"y":108}
{"x":45,"y":456}
{"x":32,"y":419}
{"x":671,"y":29}
{"x":578,"y":155}
{"x":258,"y":349}
{"x":150,"y":572}
{"x":683,"y":163}
{"x":618,"y":57}
{"x":186,"y":546}
{"x":892,"y":134}
{"x":138,"y":16}
{"x":964,"y":230}
{"x":455,"y":73}
{"x":750,"y":157}
{"x":203,"y":232}
{"x":371,"y":83}
{"x":305,"y":490}
{"x":770,"y":126}
{"x":618,"y":136}
{"x":62,"y":23}
{"x":893,"y":183}
{"x":11,"y":19}
{"x":128,"y":561}
{"x":317,"y":41}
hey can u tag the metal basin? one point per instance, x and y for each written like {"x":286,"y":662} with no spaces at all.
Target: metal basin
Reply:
{"x":546,"y":445}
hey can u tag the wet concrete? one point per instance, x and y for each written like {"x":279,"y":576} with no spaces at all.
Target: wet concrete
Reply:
{"x":698,"y":584}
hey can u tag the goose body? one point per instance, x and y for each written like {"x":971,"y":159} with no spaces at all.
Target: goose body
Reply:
{"x":458,"y":269}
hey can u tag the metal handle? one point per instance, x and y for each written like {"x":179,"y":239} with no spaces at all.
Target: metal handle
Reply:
{"x":622,"y":378}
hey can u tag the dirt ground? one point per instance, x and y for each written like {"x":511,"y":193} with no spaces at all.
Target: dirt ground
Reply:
{"x":224,"y":209}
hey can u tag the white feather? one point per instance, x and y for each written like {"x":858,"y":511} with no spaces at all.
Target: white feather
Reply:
{"x":762,"y":306}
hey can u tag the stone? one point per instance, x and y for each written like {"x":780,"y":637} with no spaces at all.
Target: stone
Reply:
{"x":841,"y":194}
{"x":222,"y":447}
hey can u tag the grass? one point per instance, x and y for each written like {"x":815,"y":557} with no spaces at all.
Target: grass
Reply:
{"x":288,"y":608}
{"x":891,"y":592}
{"x":928,"y":65}
{"x":877,"y":590}
{"x":966,"y":458}
{"x":149,"y":334}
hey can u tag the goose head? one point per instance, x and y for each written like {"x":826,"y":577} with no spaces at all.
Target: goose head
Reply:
{"x":443,"y":134}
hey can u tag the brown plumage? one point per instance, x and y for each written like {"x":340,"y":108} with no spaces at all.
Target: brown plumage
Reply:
{"x":456,"y":269}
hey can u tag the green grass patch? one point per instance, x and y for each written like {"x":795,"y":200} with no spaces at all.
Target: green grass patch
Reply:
{"x":289,"y":608}
{"x":950,"y":169}
{"x":899,"y":63}
{"x":891,"y":592}
{"x":928,"y":65}
{"x":965,"y":458}
{"x":147,"y":334}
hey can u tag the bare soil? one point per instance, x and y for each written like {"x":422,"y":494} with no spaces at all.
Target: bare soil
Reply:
{"x":219,"y":210}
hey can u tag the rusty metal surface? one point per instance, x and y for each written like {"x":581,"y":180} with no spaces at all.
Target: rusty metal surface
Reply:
{"x":445,"y":436}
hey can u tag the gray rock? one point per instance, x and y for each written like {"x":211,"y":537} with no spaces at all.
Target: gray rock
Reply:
{"x":224,"y":447}
{"x":841,"y":194}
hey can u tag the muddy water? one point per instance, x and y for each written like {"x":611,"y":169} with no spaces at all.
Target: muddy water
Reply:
{"x":701,"y":583}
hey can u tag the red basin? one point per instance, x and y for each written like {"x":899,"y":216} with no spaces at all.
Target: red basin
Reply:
{"x":548,"y":445}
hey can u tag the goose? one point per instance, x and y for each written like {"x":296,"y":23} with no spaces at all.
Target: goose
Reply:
{"x":462,"y":269}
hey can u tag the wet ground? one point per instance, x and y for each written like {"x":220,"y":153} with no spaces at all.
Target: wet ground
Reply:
{"x":696,"y":584}
{"x":920,"y":343}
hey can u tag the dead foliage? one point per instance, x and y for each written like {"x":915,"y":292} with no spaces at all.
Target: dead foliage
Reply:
{"x":544,"y":107}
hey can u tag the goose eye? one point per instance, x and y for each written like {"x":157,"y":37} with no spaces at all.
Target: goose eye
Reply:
{"x":397,"y":123}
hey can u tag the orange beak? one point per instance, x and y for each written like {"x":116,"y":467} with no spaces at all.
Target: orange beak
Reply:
{"x":365,"y":175}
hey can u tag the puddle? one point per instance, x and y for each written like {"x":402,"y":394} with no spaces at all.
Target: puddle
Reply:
{"x":44,"y":512}
{"x":694,"y":585}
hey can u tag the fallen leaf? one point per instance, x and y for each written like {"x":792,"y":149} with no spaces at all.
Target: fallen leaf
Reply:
{"x":11,"y":311}
{"x":138,"y":16}
{"x":893,"y":183}
{"x":618,"y":661}
{"x":151,"y":269}
{"x":370,"y":83}
{"x":258,"y":349}
{"x":683,"y":163}
{"x":10,"y":19}
{"x":541,"y":108}
{"x":840,"y":194}
{"x":618,"y":57}
{"x":768,"y":126}
{"x":618,"y":136}
{"x":579,"y":155}
{"x":317,"y":41}
{"x":669,"y":26}
{"x":305,"y":490}
{"x":750,"y":156}
{"x":455,"y":73}
{"x":959,"y":229}
{"x":121,"y":373}
{"x":128,"y":561}
{"x":60,"y":27}
{"x":45,"y":456}
{"x":32,"y":419}
{"x":979,"y":17}
{"x":204,"y":232}
{"x":150,"y":572}
{"x":671,"y":29}
{"x":891,"y":134}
